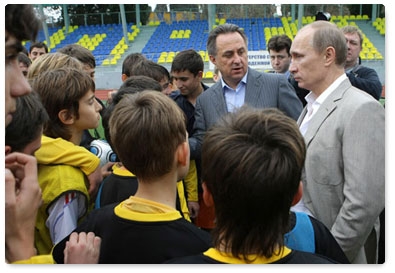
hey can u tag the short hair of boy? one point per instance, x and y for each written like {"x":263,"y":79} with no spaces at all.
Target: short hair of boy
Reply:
{"x":27,"y":122}
{"x":51,"y":61}
{"x":150,"y":69}
{"x":23,"y":29}
{"x":79,"y":52}
{"x":60,"y":89}
{"x":251,"y":164}
{"x":132,"y":85}
{"x":38,"y":45}
{"x":23,"y":58}
{"x":146,"y":128}
{"x":188,"y":60}
{"x":279,"y":42}
{"x":131,"y":60}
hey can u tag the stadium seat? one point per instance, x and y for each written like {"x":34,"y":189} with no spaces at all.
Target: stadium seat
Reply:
{"x":370,"y":56}
{"x":208,"y":75}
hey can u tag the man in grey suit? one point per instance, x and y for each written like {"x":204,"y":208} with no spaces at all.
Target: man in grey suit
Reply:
{"x":239,"y":84}
{"x":344,"y":130}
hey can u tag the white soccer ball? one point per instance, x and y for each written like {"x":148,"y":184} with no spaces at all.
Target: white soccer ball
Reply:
{"x":103,"y":150}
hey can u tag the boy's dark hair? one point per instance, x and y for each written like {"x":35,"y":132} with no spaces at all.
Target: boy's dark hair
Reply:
{"x":27,"y":122}
{"x":279,"y":42}
{"x":187,"y":60}
{"x":79,"y":52}
{"x":22,"y":22}
{"x":150,"y":69}
{"x":59,"y":89}
{"x":132,"y":85}
{"x":131,"y":60}
{"x":38,"y":45}
{"x":23,"y":58}
{"x":146,"y":128}
{"x":252,"y":163}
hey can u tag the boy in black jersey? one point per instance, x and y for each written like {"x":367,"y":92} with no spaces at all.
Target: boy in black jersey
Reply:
{"x":251,"y":170}
{"x":148,"y":133}
{"x":121,"y":183}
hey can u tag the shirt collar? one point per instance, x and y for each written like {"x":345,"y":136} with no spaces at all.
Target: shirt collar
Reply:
{"x":243,"y":80}
{"x":312,"y":98}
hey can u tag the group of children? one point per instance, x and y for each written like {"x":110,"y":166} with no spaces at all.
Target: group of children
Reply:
{"x":251,"y":170}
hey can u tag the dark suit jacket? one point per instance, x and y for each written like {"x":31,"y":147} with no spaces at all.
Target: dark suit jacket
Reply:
{"x":366,"y":79}
{"x":263,"y":90}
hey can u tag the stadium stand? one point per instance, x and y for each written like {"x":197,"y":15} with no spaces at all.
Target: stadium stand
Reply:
{"x":160,"y":42}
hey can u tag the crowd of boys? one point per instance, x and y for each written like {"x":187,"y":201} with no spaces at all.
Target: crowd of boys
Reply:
{"x":284,"y":167}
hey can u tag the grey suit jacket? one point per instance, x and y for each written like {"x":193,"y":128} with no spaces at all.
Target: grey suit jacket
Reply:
{"x":263,"y":90}
{"x":344,"y":174}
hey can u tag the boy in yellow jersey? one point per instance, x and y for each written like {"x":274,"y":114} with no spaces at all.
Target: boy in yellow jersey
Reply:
{"x":251,"y":168}
{"x":148,"y":133}
{"x":58,"y":150}
{"x":22,"y":190}
{"x":68,"y":96}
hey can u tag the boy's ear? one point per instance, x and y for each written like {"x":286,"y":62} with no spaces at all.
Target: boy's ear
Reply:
{"x":200,"y":74}
{"x":65,"y":117}
{"x":183,"y":153}
{"x":298,"y":194}
{"x":124,"y":77}
{"x":207,"y":196}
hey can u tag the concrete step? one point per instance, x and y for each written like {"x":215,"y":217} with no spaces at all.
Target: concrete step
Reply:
{"x":373,"y":35}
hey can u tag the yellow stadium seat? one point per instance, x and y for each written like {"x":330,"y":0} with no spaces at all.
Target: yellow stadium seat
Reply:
{"x":379,"y":56}
{"x":382,"y":31}
{"x":373,"y":50}
{"x":161,"y":60}
{"x":370,"y":56}
{"x":208,"y":75}
{"x":169,"y":59}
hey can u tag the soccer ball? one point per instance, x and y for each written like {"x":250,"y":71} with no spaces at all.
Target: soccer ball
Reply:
{"x":103,"y":150}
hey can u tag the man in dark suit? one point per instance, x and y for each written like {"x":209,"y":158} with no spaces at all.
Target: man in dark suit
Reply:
{"x":239,"y":85}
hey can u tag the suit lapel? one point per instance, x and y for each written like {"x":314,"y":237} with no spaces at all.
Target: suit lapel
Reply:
{"x":252,"y":92}
{"x":325,"y":110}
{"x":219,"y":99}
